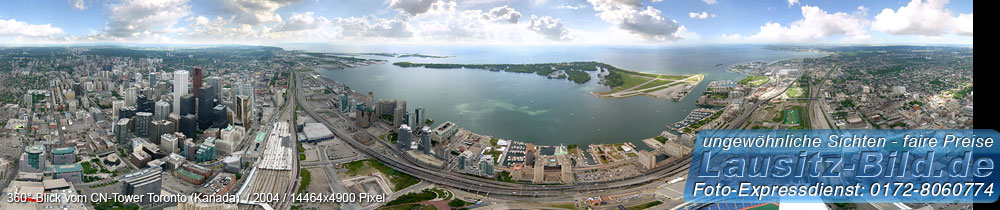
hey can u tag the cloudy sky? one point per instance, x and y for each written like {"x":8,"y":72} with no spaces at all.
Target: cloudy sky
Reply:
{"x":662,"y":22}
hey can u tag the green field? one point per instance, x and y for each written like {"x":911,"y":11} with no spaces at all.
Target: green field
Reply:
{"x":362,"y":167}
{"x":754,"y":80}
{"x":795,"y":92}
{"x":792,"y":117}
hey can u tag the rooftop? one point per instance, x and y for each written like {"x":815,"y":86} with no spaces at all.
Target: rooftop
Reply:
{"x":63,"y":150}
{"x":68,"y":168}
{"x":35,"y":149}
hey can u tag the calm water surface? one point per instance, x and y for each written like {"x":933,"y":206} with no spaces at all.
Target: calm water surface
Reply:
{"x":533,"y":108}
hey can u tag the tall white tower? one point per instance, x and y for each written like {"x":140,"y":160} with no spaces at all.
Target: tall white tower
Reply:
{"x":180,"y":88}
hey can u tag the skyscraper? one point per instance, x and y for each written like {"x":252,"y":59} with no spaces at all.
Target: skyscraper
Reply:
{"x":160,"y":127}
{"x":397,"y":116}
{"x":206,"y":102}
{"x":425,"y":141}
{"x":123,"y":132}
{"x":420,"y":117}
{"x":130,"y":96}
{"x":243,"y":110}
{"x":343,"y":103}
{"x":152,"y":79}
{"x":216,"y":82}
{"x":161,"y":110}
{"x":188,"y":125}
{"x":197,"y":80}
{"x":180,"y":88}
{"x":403,"y":137}
{"x":143,"y":104}
{"x":187,"y":104}
{"x":142,"y":123}
{"x":219,"y":116}
{"x":116,"y":106}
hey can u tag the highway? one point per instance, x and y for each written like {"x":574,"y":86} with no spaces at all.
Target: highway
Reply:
{"x":487,"y":186}
{"x":738,"y":122}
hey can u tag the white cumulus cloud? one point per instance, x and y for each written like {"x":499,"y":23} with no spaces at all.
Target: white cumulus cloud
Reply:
{"x":630,"y":15}
{"x":963,"y":24}
{"x":503,"y":13}
{"x":551,"y":28}
{"x":918,"y":17}
{"x":145,"y":18}
{"x":78,"y":4}
{"x":815,"y":25}
{"x":412,"y":7}
{"x":254,"y":12}
{"x":354,"y":28}
{"x":301,"y":21}
{"x":700,"y":15}
{"x":13,"y":27}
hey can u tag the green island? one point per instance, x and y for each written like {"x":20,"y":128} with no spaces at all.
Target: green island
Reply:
{"x":623,"y":83}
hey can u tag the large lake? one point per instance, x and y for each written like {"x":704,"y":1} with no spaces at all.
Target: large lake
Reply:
{"x":533,"y":108}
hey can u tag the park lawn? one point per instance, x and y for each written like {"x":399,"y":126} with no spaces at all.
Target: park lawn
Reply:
{"x":791,"y":117}
{"x":754,"y":80}
{"x":795,"y":92}
{"x":398,"y":179}
{"x":306,"y":178}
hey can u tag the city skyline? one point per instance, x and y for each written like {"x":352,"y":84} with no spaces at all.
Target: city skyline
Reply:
{"x":556,"y":22}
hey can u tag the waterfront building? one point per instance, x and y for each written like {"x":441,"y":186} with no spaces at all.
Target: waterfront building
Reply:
{"x":397,"y":116}
{"x":344,"y":106}
{"x":444,"y":131}
{"x":404,"y":137}
{"x":486,"y":166}
{"x":364,"y":116}
{"x":425,"y":141}
{"x":420,"y":117}
{"x":646,"y":159}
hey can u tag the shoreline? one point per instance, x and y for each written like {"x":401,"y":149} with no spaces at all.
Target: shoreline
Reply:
{"x":684,"y":90}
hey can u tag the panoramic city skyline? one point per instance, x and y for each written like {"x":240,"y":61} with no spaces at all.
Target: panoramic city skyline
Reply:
{"x":573,"y":22}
